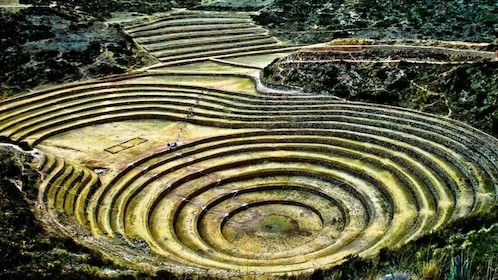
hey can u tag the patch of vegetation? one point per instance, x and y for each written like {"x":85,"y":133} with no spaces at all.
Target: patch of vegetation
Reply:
{"x":43,"y":46}
{"x":432,"y":256}
{"x":323,"y":20}
{"x":25,"y":249}
{"x":244,"y":5}
{"x":102,"y":9}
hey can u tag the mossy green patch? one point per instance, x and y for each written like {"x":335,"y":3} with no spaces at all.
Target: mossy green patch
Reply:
{"x":279,"y":224}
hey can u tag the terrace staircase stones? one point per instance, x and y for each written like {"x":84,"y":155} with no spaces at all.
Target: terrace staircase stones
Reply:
{"x":199,"y":35}
{"x":235,"y":179}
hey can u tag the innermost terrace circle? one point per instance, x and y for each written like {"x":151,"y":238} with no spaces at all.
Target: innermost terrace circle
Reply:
{"x":272,"y":227}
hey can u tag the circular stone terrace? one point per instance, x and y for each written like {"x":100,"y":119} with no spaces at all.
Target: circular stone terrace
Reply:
{"x":194,"y":166}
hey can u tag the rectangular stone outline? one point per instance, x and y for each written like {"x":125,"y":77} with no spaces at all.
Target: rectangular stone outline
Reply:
{"x":125,"y":145}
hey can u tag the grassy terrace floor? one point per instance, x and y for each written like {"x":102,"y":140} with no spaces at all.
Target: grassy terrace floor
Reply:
{"x":194,"y":166}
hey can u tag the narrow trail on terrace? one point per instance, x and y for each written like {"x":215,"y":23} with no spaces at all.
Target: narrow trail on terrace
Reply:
{"x":194,"y":165}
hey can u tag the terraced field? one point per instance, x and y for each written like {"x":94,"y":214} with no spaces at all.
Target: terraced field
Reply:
{"x":195,"y":166}
{"x":185,"y":36}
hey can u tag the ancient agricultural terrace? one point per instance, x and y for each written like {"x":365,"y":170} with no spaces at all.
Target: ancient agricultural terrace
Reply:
{"x":195,"y":166}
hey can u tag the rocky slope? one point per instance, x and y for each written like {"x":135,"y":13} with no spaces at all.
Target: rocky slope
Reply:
{"x":321,"y":20}
{"x":44,"y":46}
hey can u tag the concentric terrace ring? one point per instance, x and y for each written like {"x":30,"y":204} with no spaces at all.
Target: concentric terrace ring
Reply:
{"x":287,"y":200}
{"x":298,"y":181}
